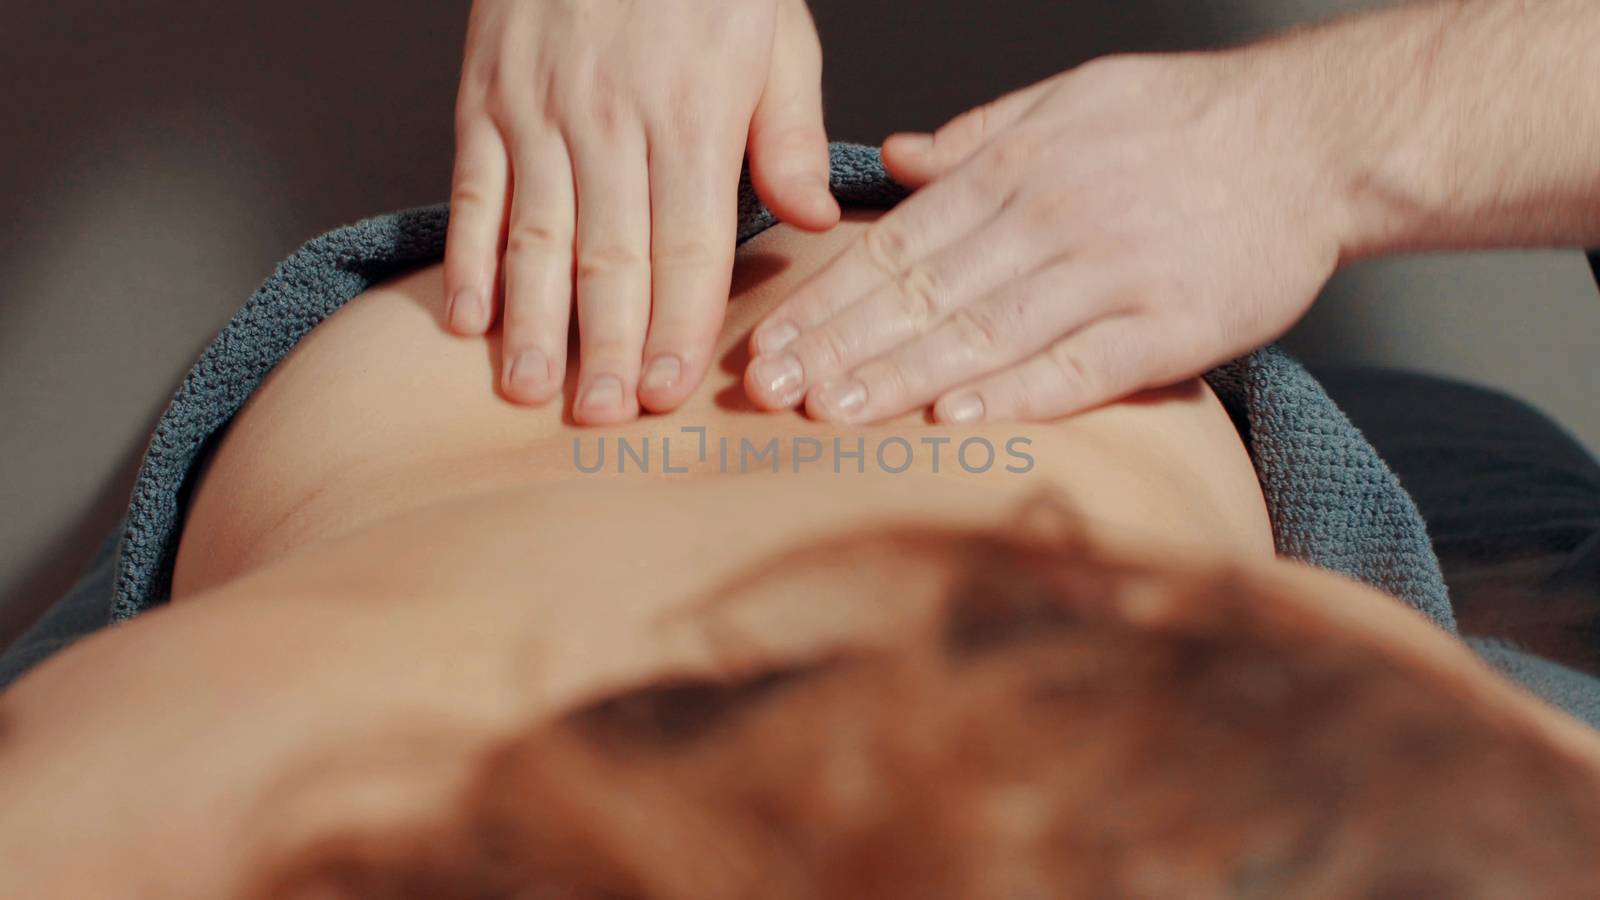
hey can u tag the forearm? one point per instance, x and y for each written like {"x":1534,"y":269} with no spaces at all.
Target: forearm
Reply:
{"x":1449,"y":125}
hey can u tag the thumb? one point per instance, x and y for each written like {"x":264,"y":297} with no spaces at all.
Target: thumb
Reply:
{"x":916,"y":158}
{"x":789,"y":163}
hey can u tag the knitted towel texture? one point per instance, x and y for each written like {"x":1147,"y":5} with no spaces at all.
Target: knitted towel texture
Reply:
{"x":1332,"y":500}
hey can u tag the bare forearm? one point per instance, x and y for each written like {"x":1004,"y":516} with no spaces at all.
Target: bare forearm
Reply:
{"x":1450,"y":125}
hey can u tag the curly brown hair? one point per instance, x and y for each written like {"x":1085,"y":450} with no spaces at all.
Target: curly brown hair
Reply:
{"x":1055,"y":723}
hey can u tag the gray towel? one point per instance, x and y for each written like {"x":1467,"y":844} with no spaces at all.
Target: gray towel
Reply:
{"x":1333,"y":502}
{"x":1578,"y":693}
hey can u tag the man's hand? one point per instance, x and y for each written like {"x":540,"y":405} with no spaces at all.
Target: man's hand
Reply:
{"x":600,"y":143}
{"x":1140,"y":219}
{"x":1126,"y":224}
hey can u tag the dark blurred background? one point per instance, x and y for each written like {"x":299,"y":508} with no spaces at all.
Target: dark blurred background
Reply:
{"x":159,"y":156}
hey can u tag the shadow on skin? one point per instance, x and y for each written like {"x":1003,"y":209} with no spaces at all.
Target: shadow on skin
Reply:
{"x":750,"y":272}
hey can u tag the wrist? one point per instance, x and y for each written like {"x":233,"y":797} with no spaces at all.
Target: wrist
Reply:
{"x":1447,"y":126}
{"x":1351,"y":103}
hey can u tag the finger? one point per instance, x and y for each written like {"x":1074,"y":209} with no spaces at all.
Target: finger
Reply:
{"x":693,"y":226}
{"x":478,"y":208}
{"x":613,"y":270}
{"x":789,"y":161}
{"x":921,"y":225}
{"x":1010,"y":323}
{"x":1104,"y":361}
{"x":916,"y":228}
{"x":916,"y":158}
{"x":538,"y":270}
{"x":907,"y":311}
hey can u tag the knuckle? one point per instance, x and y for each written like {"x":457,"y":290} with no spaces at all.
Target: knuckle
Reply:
{"x":535,"y":236}
{"x":1132,"y":303}
{"x":498,"y":111}
{"x":686,"y":254}
{"x":1027,"y":398}
{"x":606,"y":349}
{"x":1013,"y":395}
{"x":1119,"y":72}
{"x":477,"y":73}
{"x":505,"y":102}
{"x":1072,"y":375}
{"x":965,"y":129}
{"x":889,"y":379}
{"x":1049,"y":210}
{"x":603,"y":104}
{"x":886,"y":247}
{"x":823,"y":351}
{"x":1102,"y":67}
{"x":918,"y":293}
{"x":608,"y":259}
{"x":469,"y":198}
{"x":798,"y":142}
{"x":983,"y":118}
{"x":1013,"y":152}
{"x":688,"y":112}
{"x":981,"y":329}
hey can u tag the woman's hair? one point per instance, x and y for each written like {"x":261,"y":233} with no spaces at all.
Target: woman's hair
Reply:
{"x":1051,"y":724}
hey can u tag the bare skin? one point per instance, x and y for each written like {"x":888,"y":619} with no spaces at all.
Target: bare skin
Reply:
{"x":386,"y":571}
{"x":377,"y":412}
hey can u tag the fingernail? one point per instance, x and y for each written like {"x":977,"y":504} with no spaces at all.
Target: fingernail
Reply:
{"x":781,"y":376}
{"x":529,"y":371}
{"x":842,"y":399}
{"x":464,"y":309}
{"x":602,"y":394}
{"x":662,"y":372}
{"x":962,"y":409}
{"x":775,"y":336}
